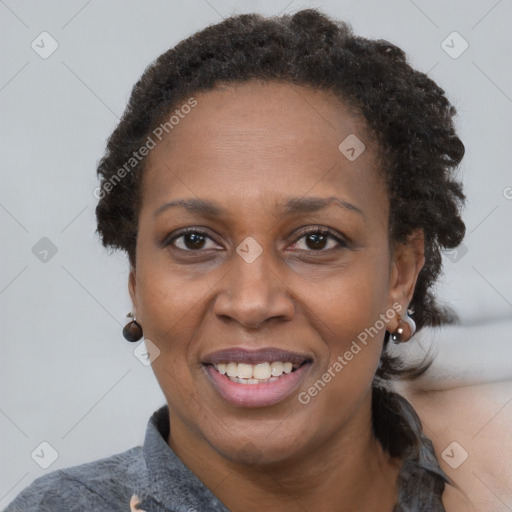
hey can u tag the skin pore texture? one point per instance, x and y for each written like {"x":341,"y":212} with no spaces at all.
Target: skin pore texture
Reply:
{"x":249,"y":148}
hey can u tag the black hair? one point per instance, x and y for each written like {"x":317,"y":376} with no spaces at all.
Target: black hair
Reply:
{"x":407,"y":115}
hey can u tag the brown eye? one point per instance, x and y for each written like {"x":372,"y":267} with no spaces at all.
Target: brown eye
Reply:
{"x":192,"y":240}
{"x":320,"y":240}
{"x":316,"y":241}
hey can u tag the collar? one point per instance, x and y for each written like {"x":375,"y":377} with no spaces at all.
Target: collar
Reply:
{"x":170,"y":485}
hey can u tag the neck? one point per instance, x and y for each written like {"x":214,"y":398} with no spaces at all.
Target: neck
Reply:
{"x":348,"y":471}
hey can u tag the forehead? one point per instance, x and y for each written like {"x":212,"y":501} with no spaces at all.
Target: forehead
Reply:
{"x":263,"y":140}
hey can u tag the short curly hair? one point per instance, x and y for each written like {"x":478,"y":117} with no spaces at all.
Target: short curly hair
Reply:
{"x":406,"y":113}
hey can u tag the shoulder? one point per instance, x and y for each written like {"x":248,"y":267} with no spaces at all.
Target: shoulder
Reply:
{"x":470,"y":429}
{"x":456,"y":500}
{"x":104,"y":484}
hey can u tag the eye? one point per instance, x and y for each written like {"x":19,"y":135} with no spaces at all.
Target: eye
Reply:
{"x":313,"y":240}
{"x":192,"y":240}
{"x":320,"y":240}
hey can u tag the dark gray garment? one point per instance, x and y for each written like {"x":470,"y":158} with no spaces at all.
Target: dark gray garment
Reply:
{"x":152,"y":472}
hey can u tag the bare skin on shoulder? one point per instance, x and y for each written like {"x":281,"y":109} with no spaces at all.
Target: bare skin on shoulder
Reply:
{"x":470,"y":428}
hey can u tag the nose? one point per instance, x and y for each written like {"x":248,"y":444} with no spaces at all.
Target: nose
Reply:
{"x":254,"y":293}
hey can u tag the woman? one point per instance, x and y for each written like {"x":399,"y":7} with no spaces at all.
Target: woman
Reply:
{"x":283,"y":189}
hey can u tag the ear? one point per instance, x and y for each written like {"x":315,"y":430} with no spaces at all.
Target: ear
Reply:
{"x":132,"y":283}
{"x":407,"y":260}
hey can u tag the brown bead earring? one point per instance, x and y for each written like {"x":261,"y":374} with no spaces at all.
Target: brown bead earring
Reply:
{"x":405,"y":331}
{"x":132,"y":331}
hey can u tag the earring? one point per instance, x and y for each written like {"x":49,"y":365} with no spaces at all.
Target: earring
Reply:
{"x":132,"y":331}
{"x":406,"y":329}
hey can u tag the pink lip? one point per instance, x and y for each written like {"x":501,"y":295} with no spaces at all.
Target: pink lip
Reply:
{"x":256,"y":395}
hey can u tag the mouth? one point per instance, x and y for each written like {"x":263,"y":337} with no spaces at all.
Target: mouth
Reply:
{"x":244,"y":373}
{"x":256,"y":378}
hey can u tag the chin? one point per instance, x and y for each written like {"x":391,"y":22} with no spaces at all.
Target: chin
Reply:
{"x":269,"y":445}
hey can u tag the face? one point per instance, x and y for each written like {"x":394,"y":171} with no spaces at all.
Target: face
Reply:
{"x":262,"y":261}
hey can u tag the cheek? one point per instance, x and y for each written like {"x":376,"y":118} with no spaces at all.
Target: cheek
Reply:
{"x":352,"y":347}
{"x":169,"y":310}
{"x":168,"y":298}
{"x":353,"y":298}
{"x":350,"y":316}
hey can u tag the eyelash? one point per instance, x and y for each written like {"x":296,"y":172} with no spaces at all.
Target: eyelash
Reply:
{"x":315,"y":231}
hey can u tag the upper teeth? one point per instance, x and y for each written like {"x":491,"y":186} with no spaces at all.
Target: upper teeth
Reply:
{"x":259,"y":371}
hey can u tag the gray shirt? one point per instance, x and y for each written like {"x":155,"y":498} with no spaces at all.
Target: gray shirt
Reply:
{"x":152,"y":478}
{"x":148,"y":478}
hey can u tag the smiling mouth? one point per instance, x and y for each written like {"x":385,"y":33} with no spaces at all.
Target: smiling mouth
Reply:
{"x":261,"y":373}
{"x":256,"y":378}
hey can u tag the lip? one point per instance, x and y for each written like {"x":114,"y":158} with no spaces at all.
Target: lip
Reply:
{"x":256,"y":395}
{"x":242,"y":355}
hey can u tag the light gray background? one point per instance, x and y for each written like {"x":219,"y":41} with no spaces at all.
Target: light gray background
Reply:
{"x":67,"y":376}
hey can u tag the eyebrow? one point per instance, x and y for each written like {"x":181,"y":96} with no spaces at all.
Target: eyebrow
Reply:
{"x":294,"y":205}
